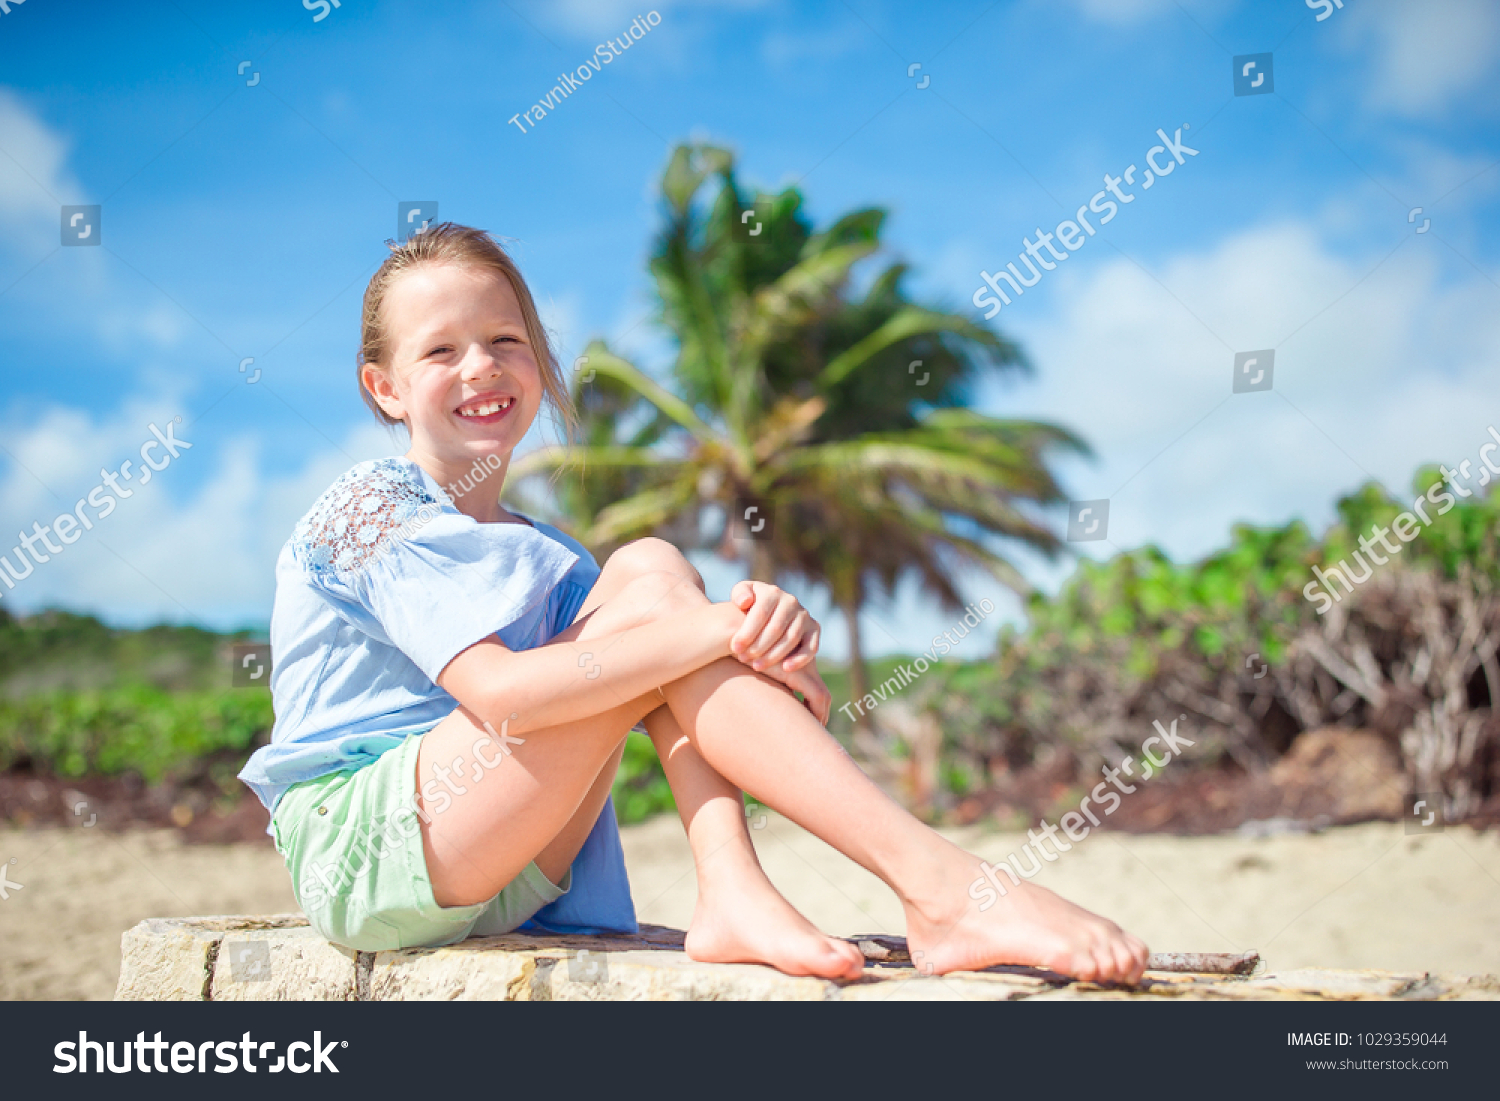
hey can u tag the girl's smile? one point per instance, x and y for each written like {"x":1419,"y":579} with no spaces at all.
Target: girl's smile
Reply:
{"x":486,"y":408}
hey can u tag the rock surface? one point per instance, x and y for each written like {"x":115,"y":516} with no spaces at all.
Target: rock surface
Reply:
{"x":278,"y":958}
{"x":294,"y":964}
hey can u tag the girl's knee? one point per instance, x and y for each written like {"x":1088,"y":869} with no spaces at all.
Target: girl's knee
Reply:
{"x":661,"y":593}
{"x":653,"y":556}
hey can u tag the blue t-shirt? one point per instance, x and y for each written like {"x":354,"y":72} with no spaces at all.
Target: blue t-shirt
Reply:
{"x":383,"y":583}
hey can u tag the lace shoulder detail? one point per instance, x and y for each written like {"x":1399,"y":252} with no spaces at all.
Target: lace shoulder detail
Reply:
{"x":360,"y":515}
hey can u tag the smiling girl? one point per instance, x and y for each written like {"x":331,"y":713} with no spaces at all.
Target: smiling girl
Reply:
{"x":454,"y":683}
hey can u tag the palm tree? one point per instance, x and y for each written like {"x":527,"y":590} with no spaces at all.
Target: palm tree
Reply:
{"x":843,"y":419}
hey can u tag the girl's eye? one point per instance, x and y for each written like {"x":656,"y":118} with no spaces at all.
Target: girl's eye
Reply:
{"x":443,"y":349}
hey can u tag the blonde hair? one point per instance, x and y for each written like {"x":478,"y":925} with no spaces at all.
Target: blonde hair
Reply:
{"x":449,"y":243}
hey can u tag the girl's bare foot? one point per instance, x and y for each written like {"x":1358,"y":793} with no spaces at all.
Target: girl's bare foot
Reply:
{"x":1027,"y":925}
{"x":742,"y":918}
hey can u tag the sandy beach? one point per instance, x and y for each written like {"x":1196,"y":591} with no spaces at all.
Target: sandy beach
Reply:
{"x":1360,"y":896}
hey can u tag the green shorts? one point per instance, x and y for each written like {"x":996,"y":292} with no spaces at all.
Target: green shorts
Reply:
{"x":353,"y":843}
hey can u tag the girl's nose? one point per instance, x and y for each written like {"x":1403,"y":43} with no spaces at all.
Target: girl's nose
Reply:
{"x":480,"y":363}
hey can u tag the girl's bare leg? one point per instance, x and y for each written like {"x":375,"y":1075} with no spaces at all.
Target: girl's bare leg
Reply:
{"x":757,"y":736}
{"x":483,"y":824}
{"x":754,"y":735}
{"x":557,"y":857}
{"x":739,"y":917}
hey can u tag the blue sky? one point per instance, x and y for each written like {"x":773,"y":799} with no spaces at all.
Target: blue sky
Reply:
{"x":243,"y":221}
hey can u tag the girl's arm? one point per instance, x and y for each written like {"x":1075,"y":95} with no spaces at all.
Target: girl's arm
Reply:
{"x":551,"y":684}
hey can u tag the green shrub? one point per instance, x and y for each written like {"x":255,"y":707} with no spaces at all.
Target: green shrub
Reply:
{"x":641,"y":788}
{"x":164,"y":737}
{"x":1139,"y":637}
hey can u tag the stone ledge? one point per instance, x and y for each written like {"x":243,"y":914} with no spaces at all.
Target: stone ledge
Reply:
{"x":278,"y":958}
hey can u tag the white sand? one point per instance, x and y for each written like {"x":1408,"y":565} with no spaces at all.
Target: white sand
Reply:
{"x":1364,"y":896}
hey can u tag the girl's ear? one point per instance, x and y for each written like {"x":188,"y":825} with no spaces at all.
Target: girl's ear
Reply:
{"x":378,"y":382}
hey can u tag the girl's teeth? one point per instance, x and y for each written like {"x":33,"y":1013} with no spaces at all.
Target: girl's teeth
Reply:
{"x":485,"y":410}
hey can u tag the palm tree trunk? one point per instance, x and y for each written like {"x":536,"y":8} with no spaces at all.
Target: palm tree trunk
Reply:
{"x":762,"y":565}
{"x":859,"y":679}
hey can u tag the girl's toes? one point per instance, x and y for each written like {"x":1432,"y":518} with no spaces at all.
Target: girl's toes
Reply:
{"x":841,"y":959}
{"x":1085,"y":967}
{"x":853,"y":957}
{"x":1107,"y":964}
{"x":1141,"y":954}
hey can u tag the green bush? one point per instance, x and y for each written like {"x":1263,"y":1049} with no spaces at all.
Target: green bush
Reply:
{"x":164,"y":737}
{"x":641,"y":788}
{"x":61,"y":650}
{"x":1139,"y":636}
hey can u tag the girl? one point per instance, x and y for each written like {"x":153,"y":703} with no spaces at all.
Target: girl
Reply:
{"x":454,"y":683}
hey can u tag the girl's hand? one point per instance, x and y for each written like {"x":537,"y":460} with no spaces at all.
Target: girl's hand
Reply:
{"x":777,"y":636}
{"x":815,"y":695}
{"x":779,"y":639}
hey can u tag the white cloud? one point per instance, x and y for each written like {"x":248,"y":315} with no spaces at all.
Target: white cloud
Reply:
{"x":1374,"y":384}
{"x":590,"y":18}
{"x":1415,"y":58}
{"x":206,"y":555}
{"x":34,"y":180}
{"x":1428,"y":56}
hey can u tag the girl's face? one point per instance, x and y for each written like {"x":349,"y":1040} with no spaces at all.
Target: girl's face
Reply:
{"x":462,"y":371}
